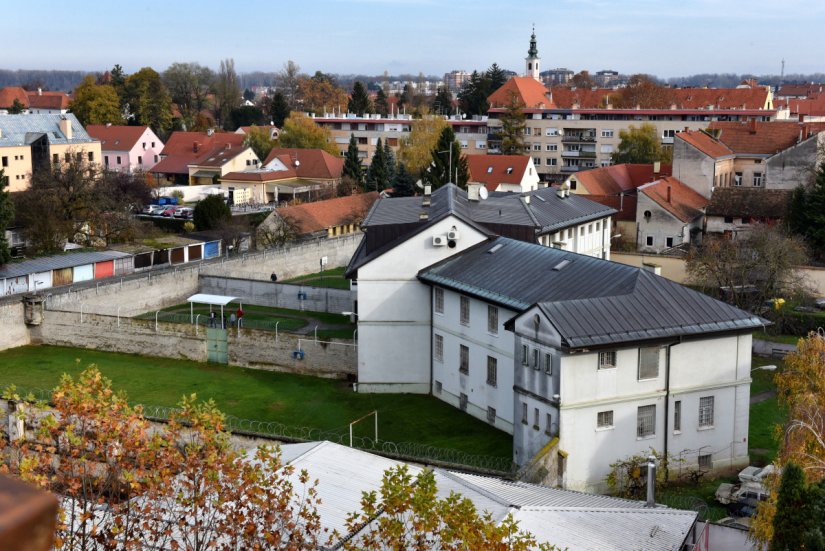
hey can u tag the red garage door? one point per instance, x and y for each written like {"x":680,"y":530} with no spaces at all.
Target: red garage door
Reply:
{"x":104,"y":269}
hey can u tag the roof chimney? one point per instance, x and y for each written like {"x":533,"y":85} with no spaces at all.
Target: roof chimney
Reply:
{"x":227,"y":146}
{"x":652,"y":268}
{"x":657,"y":167}
{"x":669,"y":195}
{"x":526,"y":199}
{"x":195,"y":146}
{"x":752,"y":126}
{"x":651,"y":481}
{"x":66,"y":127}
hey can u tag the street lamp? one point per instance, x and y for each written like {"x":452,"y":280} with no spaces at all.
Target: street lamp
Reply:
{"x":770,"y":367}
{"x":450,"y":165}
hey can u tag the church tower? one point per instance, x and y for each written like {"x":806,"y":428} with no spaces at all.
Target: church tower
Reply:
{"x":532,"y":60}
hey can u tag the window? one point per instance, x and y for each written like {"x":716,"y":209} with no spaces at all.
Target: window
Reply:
{"x":607,"y":359}
{"x":607,"y":133}
{"x":604,"y":419}
{"x":648,"y":363}
{"x":5,"y":161}
{"x":156,"y":158}
{"x":491,"y":415}
{"x":153,"y":144}
{"x":548,"y":364}
{"x":91,"y":156}
{"x":524,"y":351}
{"x":106,"y":160}
{"x":438,"y":348}
{"x":492,"y":319}
{"x":669,"y":242}
{"x":438,"y":387}
{"x":646,"y":421}
{"x":581,"y":230}
{"x":706,"y":461}
{"x":465,"y":311}
{"x":528,"y":131}
{"x":677,"y":416}
{"x":668,"y":133}
{"x":463,"y":359}
{"x":536,"y":365}
{"x":552,"y":132}
{"x":117,"y":160}
{"x":524,"y":413}
{"x":737,"y":179}
{"x":535,"y":418}
{"x":55,"y":158}
{"x":757,"y":179}
{"x":492,"y":371}
{"x":144,"y":146}
{"x":462,"y":402}
{"x":590,"y":228}
{"x":536,"y":147}
{"x":548,"y":419}
{"x":649,"y":240}
{"x":598,"y":225}
{"x":550,"y":161}
{"x":439,"y":300}
{"x":537,"y":161}
{"x":706,"y":411}
{"x":140,"y":160}
{"x":67,"y":157}
{"x":79,"y":156}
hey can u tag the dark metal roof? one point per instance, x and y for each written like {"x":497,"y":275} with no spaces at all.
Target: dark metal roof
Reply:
{"x":57,"y":262}
{"x":590,"y":301}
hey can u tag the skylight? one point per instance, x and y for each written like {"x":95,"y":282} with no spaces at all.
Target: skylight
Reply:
{"x":561,"y":265}
{"x":489,"y":170}
{"x":495,"y":248}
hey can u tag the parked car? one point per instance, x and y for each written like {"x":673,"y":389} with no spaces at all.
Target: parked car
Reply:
{"x":154,"y":210}
{"x":756,"y":474}
{"x":184,"y":212}
{"x":169,"y":211}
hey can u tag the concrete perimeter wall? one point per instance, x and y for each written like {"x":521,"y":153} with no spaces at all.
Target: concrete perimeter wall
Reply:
{"x":249,"y":348}
{"x":266,"y":293}
{"x":14,"y":331}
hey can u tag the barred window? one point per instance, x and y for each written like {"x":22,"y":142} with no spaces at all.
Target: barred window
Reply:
{"x":548,"y":364}
{"x":646,"y":421}
{"x":677,"y":415}
{"x":706,"y":411}
{"x":607,"y":359}
{"x":706,"y":461}
{"x":438,"y":348}
{"x":439,"y":301}
{"x":604,"y":419}
{"x":492,"y":371}
{"x":648,"y":363}
{"x":491,"y":415}
{"x":465,"y":311}
{"x":492,"y":319}
{"x":464,"y":359}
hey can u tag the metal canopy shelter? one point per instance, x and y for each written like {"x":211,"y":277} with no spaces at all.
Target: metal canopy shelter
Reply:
{"x":211,"y":300}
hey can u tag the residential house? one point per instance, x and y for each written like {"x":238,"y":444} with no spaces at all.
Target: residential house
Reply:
{"x":127,"y":148}
{"x":735,"y":210}
{"x":588,"y":360}
{"x":405,"y":234}
{"x":11,"y":97}
{"x":324,"y":219}
{"x":669,"y":214}
{"x":271,"y":130}
{"x":183,"y":149}
{"x":50,"y":103}
{"x":219,"y":161}
{"x":514,"y":173}
{"x":30,"y":142}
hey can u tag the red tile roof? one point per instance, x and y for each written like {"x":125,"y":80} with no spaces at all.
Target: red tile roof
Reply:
{"x":760,"y":138}
{"x":682,"y":98}
{"x":584,"y":98}
{"x":313,"y":164}
{"x":530,"y":91}
{"x":615,"y":179}
{"x":320,"y":215}
{"x":219,"y":155}
{"x":705,"y":143}
{"x":494,"y":170}
{"x":183,"y":148}
{"x":116,"y":137}
{"x":813,"y":106}
{"x":800,"y":90}
{"x":675,"y":197}
{"x":11,"y":93}
{"x":48,"y":100}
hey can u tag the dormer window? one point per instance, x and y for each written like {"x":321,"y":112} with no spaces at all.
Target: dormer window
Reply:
{"x":509,"y":170}
{"x":489,"y":170}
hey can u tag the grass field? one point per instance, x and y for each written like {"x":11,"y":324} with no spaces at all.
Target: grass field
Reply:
{"x":294,"y":400}
{"x":784,"y":339}
{"x":333,"y":279}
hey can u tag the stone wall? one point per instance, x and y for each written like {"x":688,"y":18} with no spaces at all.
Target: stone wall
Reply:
{"x":14,"y":331}
{"x":266,"y":293}
{"x":247,"y":348}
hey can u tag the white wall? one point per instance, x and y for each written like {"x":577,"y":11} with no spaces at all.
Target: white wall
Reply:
{"x":391,"y":297}
{"x":589,"y":238}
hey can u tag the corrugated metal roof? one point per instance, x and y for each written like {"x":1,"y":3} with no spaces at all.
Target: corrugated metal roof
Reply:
{"x":46,"y":263}
{"x":590,"y":301}
{"x":24,"y":129}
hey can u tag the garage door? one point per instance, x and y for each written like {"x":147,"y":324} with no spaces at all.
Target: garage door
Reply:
{"x":62,"y":276}
{"x":104,"y":269}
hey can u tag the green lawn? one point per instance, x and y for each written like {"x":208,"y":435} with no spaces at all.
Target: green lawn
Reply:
{"x":686,"y":496}
{"x":294,"y":400}
{"x":784,"y":339}
{"x":333,"y":279}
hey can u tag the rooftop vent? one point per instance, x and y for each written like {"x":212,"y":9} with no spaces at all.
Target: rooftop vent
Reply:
{"x":489,"y":170}
{"x":509,"y":170}
{"x":561,"y":265}
{"x":495,"y":248}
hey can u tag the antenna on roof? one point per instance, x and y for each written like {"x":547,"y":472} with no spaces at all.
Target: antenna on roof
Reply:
{"x":419,"y":184}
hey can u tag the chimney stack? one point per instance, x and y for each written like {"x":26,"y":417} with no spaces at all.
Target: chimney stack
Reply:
{"x":752,"y":126}
{"x":669,"y":195}
{"x":65,"y":127}
{"x":657,"y":168}
{"x":195,"y":146}
{"x":651,"y":481}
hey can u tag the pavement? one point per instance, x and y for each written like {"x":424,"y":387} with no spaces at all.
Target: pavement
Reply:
{"x":772,"y":349}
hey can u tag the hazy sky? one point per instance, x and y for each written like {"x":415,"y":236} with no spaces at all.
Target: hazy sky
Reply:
{"x":662,"y":37}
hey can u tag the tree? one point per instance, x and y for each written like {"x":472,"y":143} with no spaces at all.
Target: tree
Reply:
{"x":642,"y":91}
{"x":352,"y":162}
{"x":417,"y":149}
{"x":582,"y":79}
{"x":496,"y":77}
{"x":16,"y":107}
{"x":301,"y":132}
{"x":286,"y":81}
{"x":408,"y":514}
{"x":443,"y":102}
{"x":278,"y":109}
{"x":404,"y":183}
{"x":146,"y":101}
{"x":320,"y":94}
{"x":95,"y":104}
{"x":753,"y":268}
{"x":806,"y":212}
{"x":390,"y":161}
{"x":248,"y":95}
{"x":447,"y":164}
{"x":628,"y":476}
{"x":260,"y":142}
{"x":245,"y":115}
{"x":796,"y":515}
{"x":640,"y":145}
{"x":359,"y":101}
{"x":211,"y":213}
{"x":377,"y":174}
{"x":382,"y":106}
{"x":512,"y":127}
{"x":406,"y":96}
{"x":6,"y":217}
{"x":227,"y":92}
{"x":189,"y":85}
{"x":473,"y":97}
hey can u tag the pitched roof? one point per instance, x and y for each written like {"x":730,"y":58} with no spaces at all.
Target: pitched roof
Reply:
{"x":588,"y":300}
{"x":219,"y":155}
{"x":494,"y":170}
{"x":183,"y":148}
{"x":760,"y":138}
{"x":527,"y":89}
{"x":320,"y":215}
{"x":624,"y":205}
{"x":566,"y":97}
{"x":48,"y":100}
{"x":722,"y":98}
{"x":11,"y":93}
{"x":752,"y":203}
{"x":813,"y":106}
{"x":705,"y":143}
{"x":676,"y":198}
{"x":57,"y":262}
{"x":615,"y":179}
{"x":800,"y":90}
{"x":314,"y":164}
{"x":116,"y":137}
{"x":25,"y":129}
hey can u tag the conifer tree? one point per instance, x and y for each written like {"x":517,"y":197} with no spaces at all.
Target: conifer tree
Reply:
{"x":390,"y":161}
{"x":382,"y":106}
{"x":377,"y":174}
{"x":352,"y":162}
{"x":6,"y":217}
{"x":443,"y":102}
{"x":404,"y":183}
{"x":446,"y":166}
{"x":359,"y":101}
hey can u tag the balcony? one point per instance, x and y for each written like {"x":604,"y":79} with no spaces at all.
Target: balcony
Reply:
{"x":570,"y":168}
{"x":579,"y":154}
{"x":578,"y":138}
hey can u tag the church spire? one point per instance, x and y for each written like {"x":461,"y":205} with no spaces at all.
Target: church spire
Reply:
{"x":533,"y":51}
{"x":532,"y":61}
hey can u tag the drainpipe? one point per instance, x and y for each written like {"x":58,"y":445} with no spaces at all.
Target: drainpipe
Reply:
{"x":667,"y":406}
{"x":432,"y":320}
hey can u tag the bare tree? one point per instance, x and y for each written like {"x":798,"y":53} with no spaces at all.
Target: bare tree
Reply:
{"x":286,"y":81}
{"x":227,"y":92}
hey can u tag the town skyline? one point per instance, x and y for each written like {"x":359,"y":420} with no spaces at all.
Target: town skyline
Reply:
{"x":422,"y":36}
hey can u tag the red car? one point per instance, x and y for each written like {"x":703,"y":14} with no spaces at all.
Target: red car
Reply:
{"x":169,"y":212}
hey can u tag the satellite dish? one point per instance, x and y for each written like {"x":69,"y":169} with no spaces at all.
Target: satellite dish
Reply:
{"x":483,"y":193}
{"x":297,"y":162}
{"x":419,"y":184}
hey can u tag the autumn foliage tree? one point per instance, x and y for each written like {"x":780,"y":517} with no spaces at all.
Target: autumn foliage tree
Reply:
{"x":301,"y":132}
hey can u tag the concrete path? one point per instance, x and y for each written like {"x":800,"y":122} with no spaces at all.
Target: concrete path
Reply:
{"x":772,"y":349}
{"x":762,"y":396}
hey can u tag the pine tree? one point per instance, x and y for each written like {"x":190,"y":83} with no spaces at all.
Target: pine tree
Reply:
{"x":446,"y":166}
{"x":404,"y":184}
{"x":406,"y":96}
{"x":359,"y":101}
{"x":390,"y":162}
{"x":6,"y":217}
{"x":352,"y":162}
{"x":473,"y":97}
{"x":794,"y":512}
{"x":806,"y":216}
{"x":512,"y":128}
{"x":278,"y":109}
{"x":443,"y":102}
{"x":496,"y":77}
{"x":382,"y":106}
{"x":377,"y":174}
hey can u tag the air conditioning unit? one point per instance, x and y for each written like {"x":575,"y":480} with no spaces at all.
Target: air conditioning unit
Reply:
{"x":453,"y":235}
{"x":439,"y":241}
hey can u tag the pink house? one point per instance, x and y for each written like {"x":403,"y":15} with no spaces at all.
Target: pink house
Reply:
{"x":127,"y":148}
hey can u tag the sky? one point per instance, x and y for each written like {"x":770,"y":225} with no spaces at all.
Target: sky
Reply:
{"x":662,"y":37}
